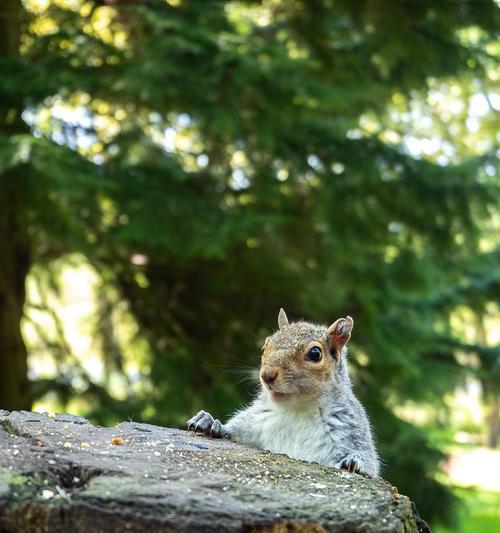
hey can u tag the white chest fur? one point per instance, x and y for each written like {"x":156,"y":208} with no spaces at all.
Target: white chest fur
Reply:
{"x":298,"y":433}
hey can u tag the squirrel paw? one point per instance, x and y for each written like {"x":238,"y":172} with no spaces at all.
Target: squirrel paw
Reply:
{"x":351,"y":463}
{"x":205,"y":422}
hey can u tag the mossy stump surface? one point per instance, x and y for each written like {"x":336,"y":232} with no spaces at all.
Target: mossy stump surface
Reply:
{"x":62,"y":474}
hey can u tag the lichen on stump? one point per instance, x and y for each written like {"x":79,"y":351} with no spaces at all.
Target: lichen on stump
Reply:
{"x":60,"y":473}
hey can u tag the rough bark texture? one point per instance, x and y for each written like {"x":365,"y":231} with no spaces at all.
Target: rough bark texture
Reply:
{"x":62,"y":474}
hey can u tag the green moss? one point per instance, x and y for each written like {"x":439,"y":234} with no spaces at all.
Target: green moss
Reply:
{"x":10,"y":479}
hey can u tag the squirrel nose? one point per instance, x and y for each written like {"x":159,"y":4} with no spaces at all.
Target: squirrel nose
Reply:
{"x":269,"y":374}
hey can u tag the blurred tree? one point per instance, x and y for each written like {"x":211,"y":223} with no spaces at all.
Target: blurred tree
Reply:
{"x":489,"y":363}
{"x":15,"y":249}
{"x":16,"y":253}
{"x":216,"y":160}
{"x":47,"y":205}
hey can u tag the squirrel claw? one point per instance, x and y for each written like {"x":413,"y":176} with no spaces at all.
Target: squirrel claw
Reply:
{"x":205,"y":423}
{"x":216,"y":429}
{"x":351,"y":464}
{"x":192,"y":423}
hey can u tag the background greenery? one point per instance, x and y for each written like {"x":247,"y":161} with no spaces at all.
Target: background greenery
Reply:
{"x":194,"y":165}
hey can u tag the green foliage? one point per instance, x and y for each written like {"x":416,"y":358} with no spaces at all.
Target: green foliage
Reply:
{"x":271,"y":195}
{"x":480,"y":512}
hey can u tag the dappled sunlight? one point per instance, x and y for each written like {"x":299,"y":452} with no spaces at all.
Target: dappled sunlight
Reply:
{"x":61,"y":329}
{"x":478,"y":467}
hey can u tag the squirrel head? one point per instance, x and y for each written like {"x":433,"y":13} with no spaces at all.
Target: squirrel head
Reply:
{"x":298,"y":360}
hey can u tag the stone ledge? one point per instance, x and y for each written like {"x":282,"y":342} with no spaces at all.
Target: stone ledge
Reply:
{"x":61,"y":473}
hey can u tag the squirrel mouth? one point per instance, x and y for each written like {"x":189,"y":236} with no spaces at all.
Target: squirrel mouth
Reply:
{"x":275,"y":395}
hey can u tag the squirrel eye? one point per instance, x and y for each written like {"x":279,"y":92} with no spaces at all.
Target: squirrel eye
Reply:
{"x":314,"y":354}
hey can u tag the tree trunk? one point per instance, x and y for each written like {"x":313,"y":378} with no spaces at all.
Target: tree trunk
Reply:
{"x":14,"y":243}
{"x":493,"y":421}
{"x":14,"y":267}
{"x":491,"y":396}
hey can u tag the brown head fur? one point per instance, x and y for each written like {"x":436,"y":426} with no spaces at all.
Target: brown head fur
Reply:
{"x":288,"y":365}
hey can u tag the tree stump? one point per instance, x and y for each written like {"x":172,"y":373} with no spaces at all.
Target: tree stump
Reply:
{"x":59,"y":473}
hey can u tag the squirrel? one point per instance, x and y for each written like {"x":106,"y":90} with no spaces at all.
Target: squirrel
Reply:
{"x":306,"y":408}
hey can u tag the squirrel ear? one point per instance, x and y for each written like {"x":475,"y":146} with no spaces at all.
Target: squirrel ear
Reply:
{"x":339,"y":334}
{"x":282,"y":319}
